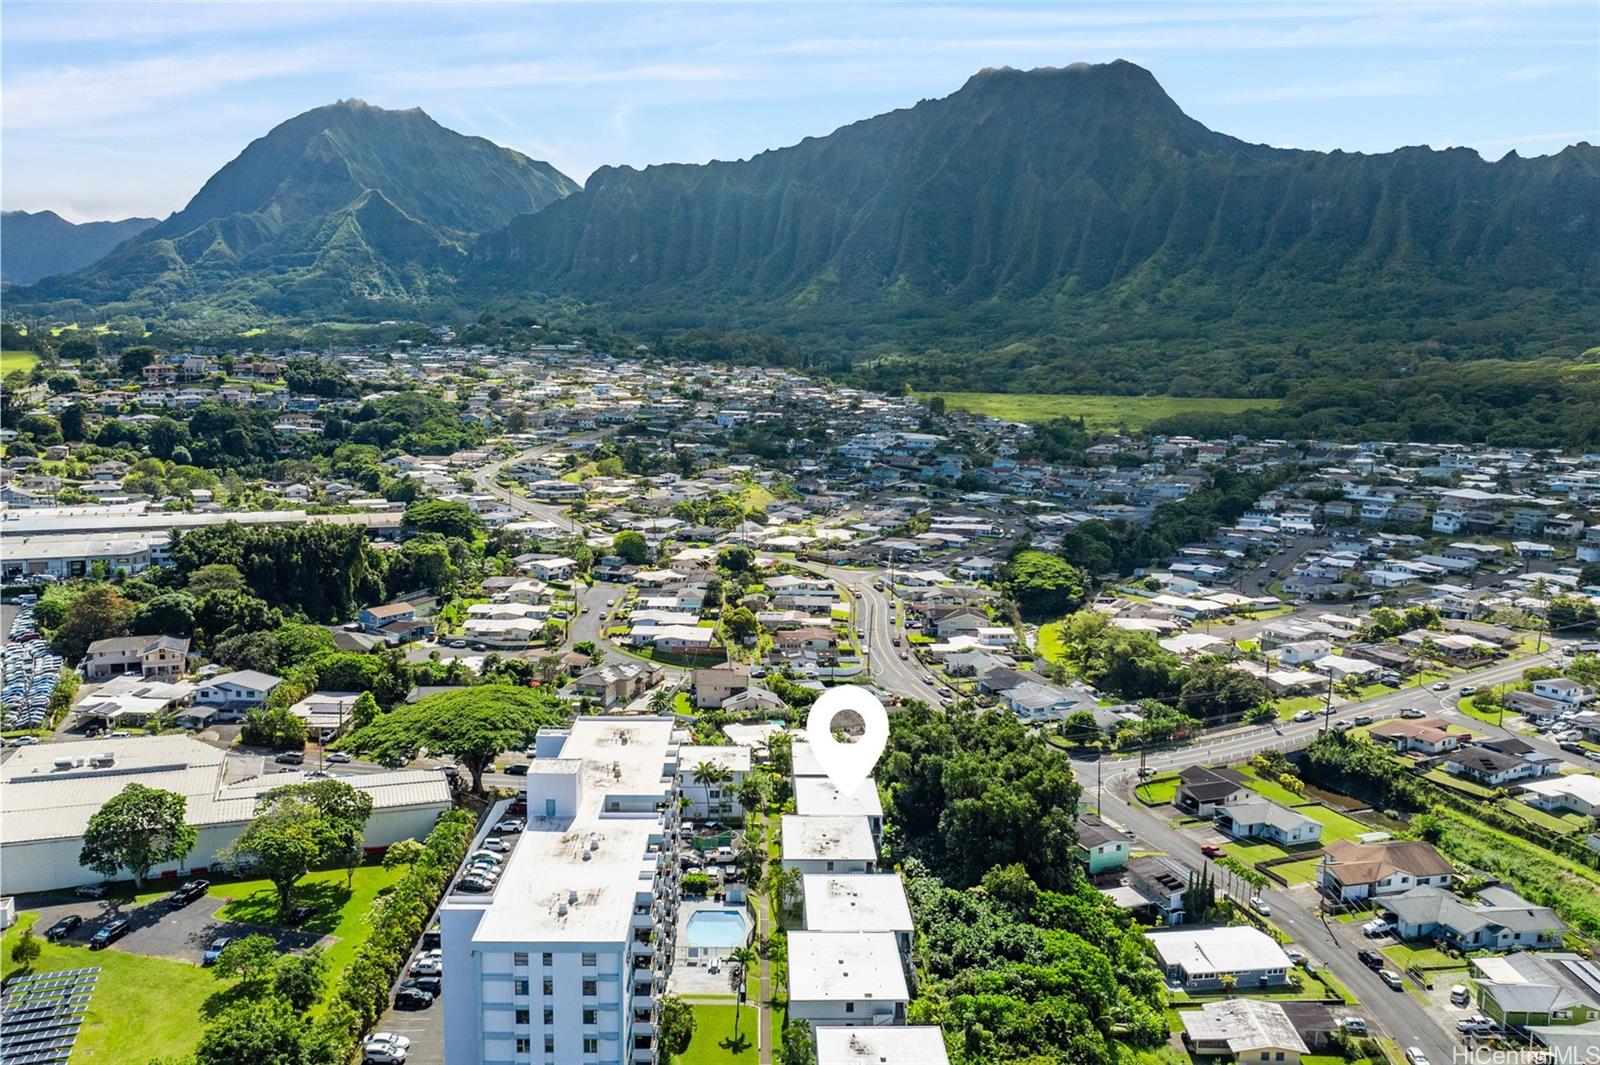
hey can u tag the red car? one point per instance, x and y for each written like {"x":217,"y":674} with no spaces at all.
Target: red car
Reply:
{"x":1211,"y":850}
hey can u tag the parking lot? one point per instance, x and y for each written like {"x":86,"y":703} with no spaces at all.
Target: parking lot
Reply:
{"x":157,"y":929}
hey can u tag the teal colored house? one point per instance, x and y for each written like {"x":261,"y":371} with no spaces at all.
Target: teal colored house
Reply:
{"x":1101,"y":847}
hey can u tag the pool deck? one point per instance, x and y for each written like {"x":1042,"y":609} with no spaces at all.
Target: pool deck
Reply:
{"x":694,"y":977}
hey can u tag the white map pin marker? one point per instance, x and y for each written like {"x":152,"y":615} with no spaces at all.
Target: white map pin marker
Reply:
{"x":847,"y":764}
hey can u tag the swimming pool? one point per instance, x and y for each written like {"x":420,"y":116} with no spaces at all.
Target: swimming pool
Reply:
{"x":715,"y":928}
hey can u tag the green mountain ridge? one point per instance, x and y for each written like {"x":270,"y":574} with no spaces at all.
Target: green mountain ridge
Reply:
{"x":36,"y":244}
{"x":1080,"y":212}
{"x":342,"y":204}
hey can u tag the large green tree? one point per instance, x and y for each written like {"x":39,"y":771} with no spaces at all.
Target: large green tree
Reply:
{"x":285,"y":838}
{"x":100,"y":612}
{"x":1044,"y":585}
{"x":137,"y":829}
{"x":473,"y":726}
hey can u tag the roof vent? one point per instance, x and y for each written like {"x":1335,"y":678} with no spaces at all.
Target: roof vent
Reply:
{"x":586,"y":856}
{"x":572,"y":896}
{"x":561,"y":910}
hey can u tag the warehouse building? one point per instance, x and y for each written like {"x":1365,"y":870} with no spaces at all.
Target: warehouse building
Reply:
{"x":51,"y":790}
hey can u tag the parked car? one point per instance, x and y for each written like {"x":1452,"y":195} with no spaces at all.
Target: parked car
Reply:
{"x":188,"y":892}
{"x":1305,"y":715}
{"x":411,"y":997}
{"x":1411,"y":713}
{"x":214,"y":951}
{"x":1459,"y":995}
{"x":1392,"y":978}
{"x":1353,"y":1025}
{"x":1259,"y":904}
{"x":433,"y":985}
{"x":1415,"y":1056}
{"x":475,"y":885}
{"x":377,"y":1052}
{"x":339,"y":756}
{"x":1370,"y":958}
{"x":1477,"y":1024}
{"x":511,"y":825}
{"x":90,"y":891}
{"x":1211,"y":850}
{"x":495,"y":843}
{"x":517,"y":769}
{"x":1378,"y":926}
{"x":390,"y":1037}
{"x":1362,"y":719}
{"x":426,"y":966}
{"x":63,"y":928}
{"x":110,"y":933}
{"x":1295,"y":954}
{"x":291,"y":758}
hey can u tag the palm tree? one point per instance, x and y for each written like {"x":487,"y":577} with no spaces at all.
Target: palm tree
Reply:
{"x":742,"y":958}
{"x":712,"y":773}
{"x":660,"y":701}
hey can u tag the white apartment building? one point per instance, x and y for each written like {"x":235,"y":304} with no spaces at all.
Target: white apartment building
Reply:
{"x":718,"y":797}
{"x":828,"y":845}
{"x":849,"y":979}
{"x":858,"y":902}
{"x":821,"y":797}
{"x":561,"y":962}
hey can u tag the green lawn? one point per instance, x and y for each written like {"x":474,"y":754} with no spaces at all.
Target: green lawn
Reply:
{"x":1049,"y":643}
{"x":1461,"y":784}
{"x":1098,"y":412}
{"x":17,"y":362}
{"x":1301,"y":872}
{"x":1287,"y":708}
{"x":713,"y":1027}
{"x":1407,"y":954}
{"x":1269,"y":789}
{"x":1158,"y":790}
{"x":1562,"y":824}
{"x":341,"y":913}
{"x":142,"y":1008}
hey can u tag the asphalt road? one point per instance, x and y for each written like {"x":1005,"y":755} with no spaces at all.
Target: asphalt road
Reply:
{"x":875,"y":614}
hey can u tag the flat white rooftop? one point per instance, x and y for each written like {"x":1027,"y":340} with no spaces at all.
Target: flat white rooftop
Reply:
{"x":910,"y":1045}
{"x":805,"y":761}
{"x":575,"y":879}
{"x":836,"y":839}
{"x":735,"y":759}
{"x":845,"y":967}
{"x":855,"y":902}
{"x":1231,"y":949}
{"x":820,"y":796}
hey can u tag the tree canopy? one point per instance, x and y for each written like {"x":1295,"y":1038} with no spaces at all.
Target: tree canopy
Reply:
{"x":137,"y":829}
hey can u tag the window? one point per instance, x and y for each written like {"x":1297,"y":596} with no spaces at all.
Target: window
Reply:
{"x":549,"y":1044}
{"x":591,"y":1015}
{"x":549,"y":807}
{"x":519,"y":987}
{"x":591,"y":960}
{"x":549,"y":1015}
{"x":849,"y":1007}
{"x":549,"y":987}
{"x":524,"y":1044}
{"x":591,"y":988}
{"x":522,"y":1016}
{"x":519,"y":958}
{"x":1266,"y":1055}
{"x":591,"y":1045}
{"x":547,"y":959}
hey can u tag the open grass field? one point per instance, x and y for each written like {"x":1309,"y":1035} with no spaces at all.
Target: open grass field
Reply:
{"x":146,"y":1007}
{"x":713,"y":1036}
{"x":1097,"y":412}
{"x":1158,"y":790}
{"x":17,"y":362}
{"x":142,"y":1008}
{"x":341,"y":912}
{"x":1050,"y":647}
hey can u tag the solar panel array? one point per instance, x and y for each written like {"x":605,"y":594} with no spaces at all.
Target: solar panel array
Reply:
{"x":40,"y":1015}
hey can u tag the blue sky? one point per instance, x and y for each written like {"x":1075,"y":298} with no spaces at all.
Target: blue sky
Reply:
{"x":123,"y":109}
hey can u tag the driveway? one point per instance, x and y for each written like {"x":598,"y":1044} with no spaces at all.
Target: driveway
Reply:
{"x":158,"y":930}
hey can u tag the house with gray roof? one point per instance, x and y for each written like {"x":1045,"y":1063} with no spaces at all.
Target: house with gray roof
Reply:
{"x":1497,"y":919}
{"x":1254,"y":817}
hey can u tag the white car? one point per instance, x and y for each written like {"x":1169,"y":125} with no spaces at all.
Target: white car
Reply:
{"x":426,"y":967}
{"x":1477,"y":1024}
{"x":495,"y":843}
{"x":1306,"y":715}
{"x":339,"y":756}
{"x":1378,"y":927}
{"x":1415,"y":1056}
{"x":1259,"y":904}
{"x":379,"y":1053}
{"x":390,"y":1037}
{"x":1295,"y":954}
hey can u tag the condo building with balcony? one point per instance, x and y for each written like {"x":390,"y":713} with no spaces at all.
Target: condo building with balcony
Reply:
{"x":563,"y":960}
